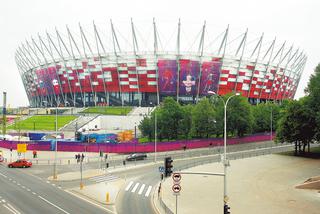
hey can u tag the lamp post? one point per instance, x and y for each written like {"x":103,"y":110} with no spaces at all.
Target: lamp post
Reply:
{"x":56,"y":144}
{"x":225,"y":160}
{"x":155,"y":135}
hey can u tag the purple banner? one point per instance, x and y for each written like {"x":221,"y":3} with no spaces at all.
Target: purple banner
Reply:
{"x":189,"y":71}
{"x":167,"y":70}
{"x":47,"y":81}
{"x":210,"y":77}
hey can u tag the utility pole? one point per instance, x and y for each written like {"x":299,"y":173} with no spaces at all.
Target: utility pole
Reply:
{"x":4,"y":114}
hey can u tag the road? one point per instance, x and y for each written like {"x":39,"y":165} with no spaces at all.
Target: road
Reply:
{"x":26,"y":194}
{"x":134,"y":197}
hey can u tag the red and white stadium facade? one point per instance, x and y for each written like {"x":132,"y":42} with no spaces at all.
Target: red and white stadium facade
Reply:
{"x":69,"y":69}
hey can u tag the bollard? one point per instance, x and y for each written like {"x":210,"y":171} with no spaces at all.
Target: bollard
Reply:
{"x":107,"y":197}
{"x":124,"y":162}
{"x":107,"y":165}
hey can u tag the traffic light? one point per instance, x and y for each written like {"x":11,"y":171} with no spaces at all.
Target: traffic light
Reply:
{"x":168,"y":166}
{"x":226,"y":209}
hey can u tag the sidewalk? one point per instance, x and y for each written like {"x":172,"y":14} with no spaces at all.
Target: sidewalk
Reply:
{"x":263,"y":184}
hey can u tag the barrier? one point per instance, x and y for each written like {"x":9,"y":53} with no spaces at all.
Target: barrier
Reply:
{"x":131,"y":147}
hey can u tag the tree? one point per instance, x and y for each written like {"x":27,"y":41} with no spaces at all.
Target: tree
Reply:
{"x":168,"y":118}
{"x":262,"y":114}
{"x":313,"y":91}
{"x":146,"y":127}
{"x":297,"y":125}
{"x":203,"y":119}
{"x":185,"y":124}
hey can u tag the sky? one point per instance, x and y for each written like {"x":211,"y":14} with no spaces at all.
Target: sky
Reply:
{"x":295,"y":21}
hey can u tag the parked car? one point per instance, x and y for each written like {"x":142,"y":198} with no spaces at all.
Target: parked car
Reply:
{"x":20,"y":164}
{"x":136,"y":156}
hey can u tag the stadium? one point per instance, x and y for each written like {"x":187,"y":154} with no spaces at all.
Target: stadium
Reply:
{"x":102,"y":65}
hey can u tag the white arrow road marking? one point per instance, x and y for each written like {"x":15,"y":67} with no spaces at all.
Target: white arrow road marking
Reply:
{"x":59,"y":208}
{"x":141,"y":189}
{"x":148,"y":191}
{"x":135,"y":187}
{"x":129,"y":185}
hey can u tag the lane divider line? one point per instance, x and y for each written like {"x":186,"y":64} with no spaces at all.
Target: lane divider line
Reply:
{"x":8,"y":208}
{"x":59,"y":208}
{"x":97,"y":205}
{"x":16,"y":211}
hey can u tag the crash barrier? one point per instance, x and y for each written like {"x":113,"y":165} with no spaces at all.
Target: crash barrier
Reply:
{"x":134,"y":146}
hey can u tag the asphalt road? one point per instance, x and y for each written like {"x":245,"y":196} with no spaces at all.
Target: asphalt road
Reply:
{"x":27,"y":194}
{"x":36,"y":195}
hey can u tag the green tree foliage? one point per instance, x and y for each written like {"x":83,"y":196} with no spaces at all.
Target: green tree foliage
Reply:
{"x":185,"y":124}
{"x":146,"y":127}
{"x":313,"y":101}
{"x":203,"y":119}
{"x":297,"y":124}
{"x":239,"y":116}
{"x":262,"y":115}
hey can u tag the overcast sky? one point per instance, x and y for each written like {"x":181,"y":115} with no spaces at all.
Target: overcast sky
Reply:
{"x":295,"y":21}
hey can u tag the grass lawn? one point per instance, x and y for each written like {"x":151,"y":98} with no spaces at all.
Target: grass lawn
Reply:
{"x":41,"y":122}
{"x":108,"y":110}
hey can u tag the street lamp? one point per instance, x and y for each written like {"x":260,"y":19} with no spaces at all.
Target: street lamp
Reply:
{"x":55,"y":152}
{"x":225,"y":161}
{"x":155,"y":135}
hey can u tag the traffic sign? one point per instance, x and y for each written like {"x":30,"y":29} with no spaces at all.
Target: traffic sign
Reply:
{"x":176,"y":177}
{"x":176,"y":188}
{"x":161,"y":169}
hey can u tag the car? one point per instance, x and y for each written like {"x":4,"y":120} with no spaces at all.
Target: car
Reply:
{"x":136,"y":156}
{"x":20,"y":164}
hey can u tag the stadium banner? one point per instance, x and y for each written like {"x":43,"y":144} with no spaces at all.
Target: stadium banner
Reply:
{"x":210,"y":77}
{"x":51,"y":82}
{"x":40,"y":82}
{"x":167,"y":81}
{"x":188,"y":80}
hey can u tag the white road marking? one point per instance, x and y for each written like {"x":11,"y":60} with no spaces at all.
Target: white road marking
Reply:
{"x":141,"y":189}
{"x":148,"y":191}
{"x":3,"y":175}
{"x":102,"y":178}
{"x":129,"y":185}
{"x":14,"y":181}
{"x":4,"y":201}
{"x":135,"y":187}
{"x":59,"y":208}
{"x":18,"y":184}
{"x":23,"y":187}
{"x":76,"y":195}
{"x":60,"y":187}
{"x":9,"y":209}
{"x":16,"y":211}
{"x":48,"y":182}
{"x":33,"y":193}
{"x":10,"y":179}
{"x":28,"y":190}
{"x":53,"y":185}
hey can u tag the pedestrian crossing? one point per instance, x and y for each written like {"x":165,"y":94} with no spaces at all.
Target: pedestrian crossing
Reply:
{"x":140,"y":189}
{"x":104,"y":178}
